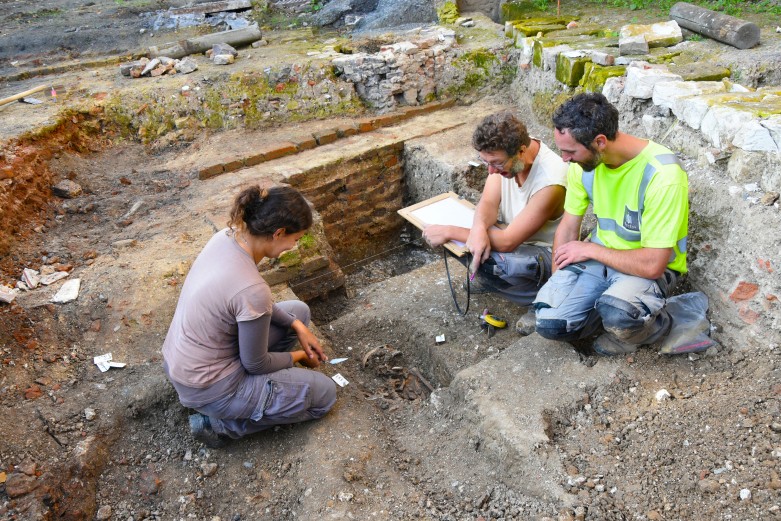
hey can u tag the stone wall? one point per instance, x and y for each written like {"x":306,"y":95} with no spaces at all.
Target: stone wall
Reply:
{"x":404,"y":73}
{"x":358,"y":200}
{"x":729,"y":139}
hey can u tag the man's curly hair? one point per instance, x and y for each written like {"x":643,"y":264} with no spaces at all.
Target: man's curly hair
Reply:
{"x":586,"y":116}
{"x":500,"y":131}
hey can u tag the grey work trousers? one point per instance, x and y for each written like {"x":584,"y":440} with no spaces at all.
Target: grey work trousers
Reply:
{"x":585,"y":297}
{"x":517,"y":275}
{"x":286,"y":396}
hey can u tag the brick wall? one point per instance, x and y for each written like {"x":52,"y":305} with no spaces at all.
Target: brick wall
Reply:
{"x":358,"y":200}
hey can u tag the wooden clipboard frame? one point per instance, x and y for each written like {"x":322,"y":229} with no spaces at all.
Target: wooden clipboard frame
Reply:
{"x":406,"y":213}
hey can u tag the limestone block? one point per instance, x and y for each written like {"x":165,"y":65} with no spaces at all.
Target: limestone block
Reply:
{"x":570,"y":66}
{"x":745,"y":166}
{"x":404,"y":47}
{"x":773,"y":124}
{"x":640,"y":82}
{"x":701,"y":71}
{"x":655,"y":125}
{"x":666,"y":93}
{"x":602,"y":58}
{"x":632,"y":45}
{"x":662,"y":34}
{"x":721,"y":124}
{"x":595,"y":76}
{"x":551,"y":54}
{"x":755,"y":137}
{"x":613,"y":88}
{"x":508,"y":29}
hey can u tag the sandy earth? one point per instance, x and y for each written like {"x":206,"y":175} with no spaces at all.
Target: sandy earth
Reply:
{"x":387,"y":451}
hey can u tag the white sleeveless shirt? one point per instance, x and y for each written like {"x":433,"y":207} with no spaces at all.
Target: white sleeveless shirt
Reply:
{"x":548,"y":169}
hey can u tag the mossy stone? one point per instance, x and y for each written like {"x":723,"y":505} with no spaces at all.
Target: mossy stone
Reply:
{"x":570,"y":67}
{"x":701,"y":72}
{"x":534,"y":29}
{"x":517,"y":10}
{"x":595,"y":76}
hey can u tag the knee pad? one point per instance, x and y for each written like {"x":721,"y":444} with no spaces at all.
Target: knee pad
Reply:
{"x":621,"y":318}
{"x":553,"y":329}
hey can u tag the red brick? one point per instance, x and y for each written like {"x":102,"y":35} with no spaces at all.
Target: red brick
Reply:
{"x":277,"y":150}
{"x":346,"y":130}
{"x":254,"y":160}
{"x":232,"y":166}
{"x":325,"y":137}
{"x":386,"y":120}
{"x":365,"y":125}
{"x":306,"y":143}
{"x":210,"y":171}
{"x":744,"y":291}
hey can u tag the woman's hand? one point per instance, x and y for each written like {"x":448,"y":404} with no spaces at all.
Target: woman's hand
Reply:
{"x":302,"y":358}
{"x":310,"y":343}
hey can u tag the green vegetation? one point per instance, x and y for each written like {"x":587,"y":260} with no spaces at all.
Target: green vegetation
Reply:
{"x":730,"y":7}
{"x":448,"y":13}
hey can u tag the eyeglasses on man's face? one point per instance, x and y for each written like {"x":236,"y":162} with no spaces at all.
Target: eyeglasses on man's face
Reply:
{"x":496,"y":165}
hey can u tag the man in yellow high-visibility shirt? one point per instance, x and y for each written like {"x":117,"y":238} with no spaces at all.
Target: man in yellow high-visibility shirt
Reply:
{"x":618,"y":280}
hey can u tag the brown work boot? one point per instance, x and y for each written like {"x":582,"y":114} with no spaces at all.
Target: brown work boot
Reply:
{"x":527,"y":324}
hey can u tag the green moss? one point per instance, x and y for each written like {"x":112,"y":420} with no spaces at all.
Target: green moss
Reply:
{"x":448,"y":13}
{"x":595,"y":76}
{"x":479,"y":58}
{"x":545,"y":102}
{"x":569,"y":69}
{"x":290,"y":258}
{"x":519,"y":9}
{"x":306,"y":242}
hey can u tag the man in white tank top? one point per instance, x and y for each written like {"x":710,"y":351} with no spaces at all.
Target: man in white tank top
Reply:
{"x":525,"y":189}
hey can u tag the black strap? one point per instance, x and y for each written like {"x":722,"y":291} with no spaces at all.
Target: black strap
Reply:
{"x":445,"y":251}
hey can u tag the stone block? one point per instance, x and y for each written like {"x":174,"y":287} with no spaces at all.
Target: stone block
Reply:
{"x":773,"y":124}
{"x":745,"y":166}
{"x":550,"y":55}
{"x":666,"y":93}
{"x":613,"y":88}
{"x":640,"y":81}
{"x":662,"y":34}
{"x":595,"y":76}
{"x":570,"y":66}
{"x":603,"y":58}
{"x":754,"y":137}
{"x":701,"y":71}
{"x":632,"y":45}
{"x":210,"y":171}
{"x":722,"y":123}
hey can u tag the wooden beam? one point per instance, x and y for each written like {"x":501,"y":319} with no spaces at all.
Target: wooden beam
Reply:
{"x":199,"y":44}
{"x":213,"y":7}
{"x":721,"y":27}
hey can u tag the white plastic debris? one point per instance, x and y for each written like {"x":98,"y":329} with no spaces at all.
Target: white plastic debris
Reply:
{"x":745,"y":494}
{"x":104,"y":362}
{"x":7,"y":294}
{"x":68,"y":292}
{"x":340,"y":380}
{"x":662,"y":395}
{"x":31,"y":277}
{"x":337,"y":361}
{"x":440,"y":339}
{"x":51,"y":278}
{"x":751,"y":187}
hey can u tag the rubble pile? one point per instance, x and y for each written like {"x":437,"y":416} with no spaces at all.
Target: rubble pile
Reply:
{"x":407,"y":72}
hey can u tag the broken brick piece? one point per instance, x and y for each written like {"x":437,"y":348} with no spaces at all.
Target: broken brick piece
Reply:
{"x":210,"y":171}
{"x":744,"y":291}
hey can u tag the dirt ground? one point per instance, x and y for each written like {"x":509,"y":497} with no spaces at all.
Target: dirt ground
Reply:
{"x":77,"y":441}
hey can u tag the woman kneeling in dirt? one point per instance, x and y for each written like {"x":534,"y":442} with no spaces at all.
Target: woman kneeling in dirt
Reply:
{"x":226,"y":350}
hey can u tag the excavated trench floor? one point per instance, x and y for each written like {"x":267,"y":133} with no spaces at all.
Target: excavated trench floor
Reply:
{"x":498,"y":428}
